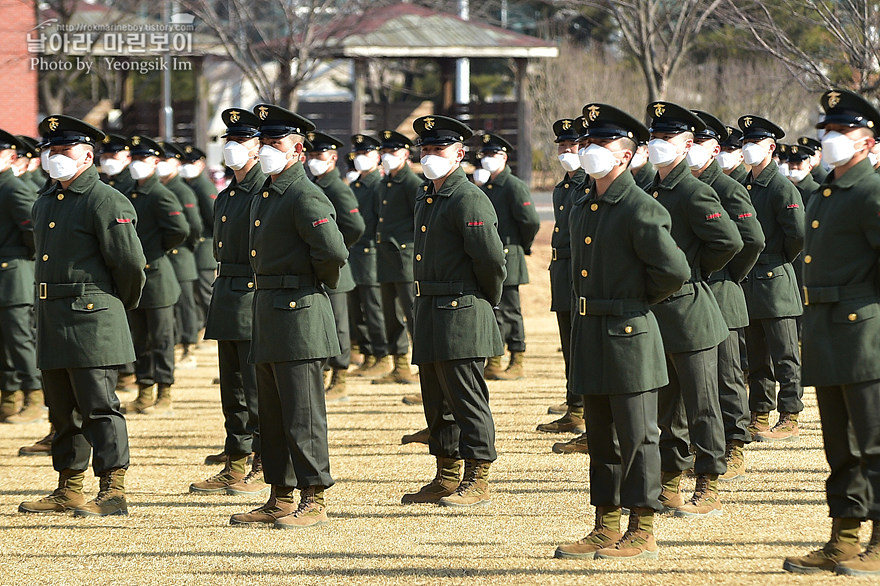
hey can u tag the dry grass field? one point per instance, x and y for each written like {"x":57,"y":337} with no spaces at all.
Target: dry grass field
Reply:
{"x":540,"y":500}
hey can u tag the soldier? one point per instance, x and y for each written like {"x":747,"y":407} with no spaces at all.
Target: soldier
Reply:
{"x":365,"y":302}
{"x":819,"y":172}
{"x":183,"y":257}
{"x":296,"y":250}
{"x":162,"y":227}
{"x":396,"y":195}
{"x":115,"y":159}
{"x":623,"y":259}
{"x":567,"y":132}
{"x":459,"y":271}
{"x":518,"y":223}
{"x":725,"y":286}
{"x":800,"y":157}
{"x":642,"y":169}
{"x":322,"y":158}
{"x":195,"y":174}
{"x":90,"y":269}
{"x":690,"y":319}
{"x":771,"y":289}
{"x":730,"y":159}
{"x":841,"y":332}
{"x":230,"y":314}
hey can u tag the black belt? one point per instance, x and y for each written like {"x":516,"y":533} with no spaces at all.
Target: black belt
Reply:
{"x":429,"y":288}
{"x":813,"y":295}
{"x":284,"y":281}
{"x":617,"y":307}
{"x":22,"y":251}
{"x":722,"y":275}
{"x":228,"y":269}
{"x":770,"y":257}
{"x":62,"y":290}
{"x":560,"y":253}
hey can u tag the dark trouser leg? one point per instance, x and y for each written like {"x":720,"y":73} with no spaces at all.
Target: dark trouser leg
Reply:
{"x":863,"y":405}
{"x":239,"y":402}
{"x":395,"y":329}
{"x":203,"y":294}
{"x":563,"y":320}
{"x":82,"y":402}
{"x":605,"y":470}
{"x":339,"y":304}
{"x":406,"y":296}
{"x":675,"y":451}
{"x":509,"y":318}
{"x":782,"y":344}
{"x":299,"y":388}
{"x":732,"y":394}
{"x":356,"y":323}
{"x":743,"y":353}
{"x":465,"y":391}
{"x":277,"y":465}
{"x":186,"y":314}
{"x":762,"y":385}
{"x":18,"y":336}
{"x":443,"y":430}
{"x":160,"y":324}
{"x":371,"y":306}
{"x":140,"y":335}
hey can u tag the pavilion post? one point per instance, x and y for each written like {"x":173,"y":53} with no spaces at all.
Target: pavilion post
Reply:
{"x":523,"y":123}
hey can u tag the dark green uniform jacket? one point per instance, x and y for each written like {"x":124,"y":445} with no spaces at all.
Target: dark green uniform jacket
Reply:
{"x":363,"y":253}
{"x":740,"y":174}
{"x":122,"y":182}
{"x":92,"y":264}
{"x":771,"y":289}
{"x":807,"y":187}
{"x":623,"y":258}
{"x":206,"y":194}
{"x":296,"y":249}
{"x":690,"y":318}
{"x":819,"y":174}
{"x":518,"y":222}
{"x":16,"y":240}
{"x":841,"y":335}
{"x":725,"y":284}
{"x":37,"y":177}
{"x":230,"y":316}
{"x":348,"y":218}
{"x":645,"y":176}
{"x":459,"y":271}
{"x":560,"y":259}
{"x":183,"y":257}
{"x":161,"y":226}
{"x":394,"y":232}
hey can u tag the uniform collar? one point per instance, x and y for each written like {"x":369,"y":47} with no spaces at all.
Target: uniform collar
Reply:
{"x":616,"y":190}
{"x":404,"y":172}
{"x":328,"y":178}
{"x":252,"y":177}
{"x":370,"y":178}
{"x":711,"y":173}
{"x":770,"y":171}
{"x":675,"y":176}
{"x":808,"y":184}
{"x":454,"y":180}
{"x":859,"y":171}
{"x":578,"y":177}
{"x":502,"y":177}
{"x":82,"y":183}
{"x":147,"y":185}
{"x":286,"y":178}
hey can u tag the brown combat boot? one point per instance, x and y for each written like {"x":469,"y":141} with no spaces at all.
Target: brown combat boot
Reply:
{"x":310,"y":512}
{"x":233,"y":472}
{"x":577,"y":445}
{"x":515,"y":367}
{"x":10,"y":403}
{"x":736,"y":461}
{"x":66,"y":497}
{"x":493,"y":370}
{"x":401,"y":374}
{"x":445,"y":482}
{"x":42,"y":447}
{"x":572,"y":421}
{"x":474,"y":487}
{"x":32,"y":409}
{"x":412,"y":399}
{"x":705,"y":502}
{"x":637,"y":542}
{"x":560,"y":409}
{"x":110,"y":499}
{"x":760,"y":422}
{"x":380,"y":367}
{"x":336,"y":391}
{"x":367,"y":364}
{"x":866,"y":563}
{"x":144,"y":399}
{"x":670,"y":496}
{"x":785,"y":429}
{"x":420,"y":437}
{"x":605,"y":534}
{"x":253,"y":483}
{"x":126,"y":383}
{"x":162,"y":406}
{"x":843,"y":546}
{"x":280,"y":504}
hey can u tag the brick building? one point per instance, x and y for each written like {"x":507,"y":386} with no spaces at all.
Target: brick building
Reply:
{"x":18,"y":83}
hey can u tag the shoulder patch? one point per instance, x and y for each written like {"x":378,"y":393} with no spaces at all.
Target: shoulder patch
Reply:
{"x":123,"y":220}
{"x":713,"y":216}
{"x":213,"y":196}
{"x":173,"y":213}
{"x":474,"y":224}
{"x":792,"y":206}
{"x":527,"y":203}
{"x":317,"y":223}
{"x":746,"y":215}
{"x":189,"y":205}
{"x":353,"y":211}
{"x":26,"y":222}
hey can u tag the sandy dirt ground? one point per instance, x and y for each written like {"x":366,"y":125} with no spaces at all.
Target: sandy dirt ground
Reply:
{"x":540,"y":499}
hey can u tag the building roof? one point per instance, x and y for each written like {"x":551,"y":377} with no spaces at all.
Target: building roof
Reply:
{"x":407,"y":30}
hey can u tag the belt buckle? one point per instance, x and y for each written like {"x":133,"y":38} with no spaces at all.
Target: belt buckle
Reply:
{"x":806,"y":295}
{"x":44,"y":291}
{"x":418,"y":290}
{"x":554,"y":255}
{"x":582,"y":303}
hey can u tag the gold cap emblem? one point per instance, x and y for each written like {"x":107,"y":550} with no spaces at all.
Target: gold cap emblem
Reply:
{"x":487,"y":138}
{"x":659,"y":109}
{"x":359,"y":138}
{"x":311,"y":136}
{"x":264,"y":112}
{"x":106,"y":140}
{"x":566,"y":124}
{"x":793,"y":149}
{"x":594,"y":112}
{"x":583,"y":122}
{"x":387,"y":134}
{"x":747,"y":121}
{"x":234,"y":116}
{"x":135,"y":140}
{"x":429,"y":123}
{"x":53,"y":123}
{"x":833,"y":99}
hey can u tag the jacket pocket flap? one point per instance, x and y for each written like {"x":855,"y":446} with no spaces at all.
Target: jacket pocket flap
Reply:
{"x":627,"y":326}
{"x":89,"y":304}
{"x":241,"y":283}
{"x":291,"y":301}
{"x":763,"y":273}
{"x":453,"y":301}
{"x":855,"y":311}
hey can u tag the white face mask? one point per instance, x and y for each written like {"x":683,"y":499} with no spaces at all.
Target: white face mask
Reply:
{"x":754,"y":154}
{"x":140,"y":170}
{"x":272,"y":161}
{"x":112,"y":167}
{"x":189,"y":171}
{"x":62,"y":167}
{"x":661,"y":153}
{"x":698,"y":156}
{"x":481,"y":176}
{"x":874,"y":159}
{"x":727,"y":161}
{"x":597,"y":161}
{"x":837,"y":149}
{"x":638,"y":161}
{"x":436,"y":167}
{"x":798,"y":175}
{"x":352,"y":176}
{"x":318,"y":167}
{"x":492,"y":164}
{"x":783,"y":169}
{"x":44,"y":159}
{"x":164,"y":169}
{"x":235,"y":155}
{"x":363,"y":163}
{"x":570,"y":161}
{"x":390,"y":162}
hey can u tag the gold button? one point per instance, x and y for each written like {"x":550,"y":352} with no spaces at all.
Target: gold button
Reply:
{"x":826,"y":192}
{"x":565,"y":186}
{"x":223,"y":218}
{"x":385,"y":201}
{"x":815,"y":223}
{"x":256,"y":223}
{"x":584,"y":273}
{"x":389,"y":185}
{"x":430,"y":200}
{"x":174,"y":251}
{"x":292,"y":304}
{"x":561,"y":208}
{"x":656,"y":193}
{"x":45,"y":257}
{"x":808,"y":259}
{"x":3,"y":265}
{"x":506,"y":250}
{"x":366,"y":249}
{"x":381,"y":219}
{"x":232,"y":193}
{"x":146,"y":266}
{"x":424,"y":228}
{"x":250,"y":284}
{"x":60,"y":196}
{"x":594,"y":207}
{"x":454,"y":304}
{"x":51,"y":224}
{"x":852,"y":317}
{"x":253,"y":253}
{"x":769,"y":273}
{"x":357,"y":184}
{"x":628,"y":329}
{"x":220,"y":244}
{"x":588,"y":240}
{"x":418,"y":257}
{"x":403,"y":246}
{"x":134,"y":196}
{"x":265,"y":194}
{"x":749,"y":187}
{"x":90,"y":306}
{"x":556,"y":229}
{"x":489,"y":186}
